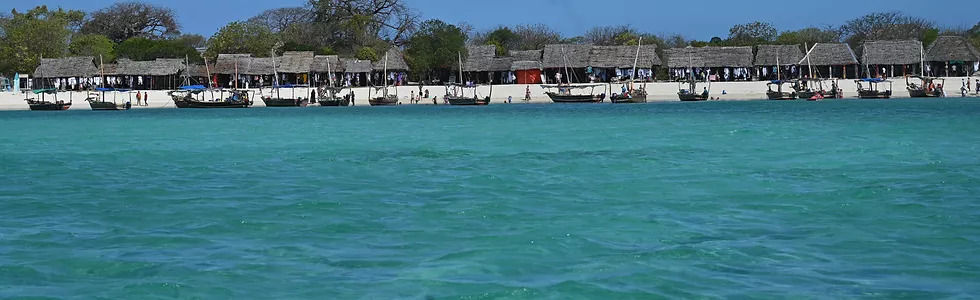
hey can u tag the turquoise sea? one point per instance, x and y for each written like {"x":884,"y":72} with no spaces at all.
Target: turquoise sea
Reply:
{"x":830,"y":200}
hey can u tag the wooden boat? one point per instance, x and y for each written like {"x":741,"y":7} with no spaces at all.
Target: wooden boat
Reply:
{"x":457,"y":97}
{"x":328,"y":97}
{"x":632,"y":95}
{"x":689,"y":94}
{"x":927,"y":87}
{"x":275,"y":100}
{"x":98,"y":101}
{"x":808,"y":88}
{"x":237,"y":99}
{"x":565,"y":95}
{"x":389,"y":100}
{"x":779,"y":94}
{"x":872,"y":91}
{"x":43,"y":104}
{"x":385,"y":99}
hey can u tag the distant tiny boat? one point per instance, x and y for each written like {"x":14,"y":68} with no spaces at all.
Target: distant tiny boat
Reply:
{"x":43,"y":104}
{"x":275,"y":100}
{"x":328,"y":97}
{"x":779,"y":94}
{"x":632,"y":95}
{"x":457,"y":97}
{"x":810,"y":87}
{"x":389,"y":100}
{"x":872,"y":91}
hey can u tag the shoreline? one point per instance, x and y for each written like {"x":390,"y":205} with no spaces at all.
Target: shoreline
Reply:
{"x":657,"y":92}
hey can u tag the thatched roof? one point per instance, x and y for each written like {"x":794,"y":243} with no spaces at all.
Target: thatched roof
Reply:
{"x":905,"y":52}
{"x":159,"y":67}
{"x":788,"y":55}
{"x":525,"y":65}
{"x":950,"y":48}
{"x":109,"y":69}
{"x":711,"y":57}
{"x":356,"y":66}
{"x":226,"y":63}
{"x":258,"y":66}
{"x":575,"y":56}
{"x":479,"y":58}
{"x":295,"y":62}
{"x":396,"y":61}
{"x":525,"y":55}
{"x":197,"y":71}
{"x":623,"y":56}
{"x":79,"y":66}
{"x":326,"y":63}
{"x":830,"y":54}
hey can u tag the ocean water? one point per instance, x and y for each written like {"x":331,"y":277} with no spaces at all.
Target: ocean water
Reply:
{"x":834,"y":199}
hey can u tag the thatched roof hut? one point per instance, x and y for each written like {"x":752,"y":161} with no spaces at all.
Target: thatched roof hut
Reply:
{"x":766,"y":55}
{"x":710,"y":57}
{"x":830,"y":54}
{"x":326,"y":63}
{"x":623,"y":56}
{"x":295,"y":62}
{"x":952,"y":48}
{"x":356,"y":66}
{"x":159,"y":67}
{"x":108,"y":69}
{"x":197,"y":71}
{"x":520,"y":65}
{"x":226,"y":63}
{"x":479,"y":58}
{"x":79,"y":66}
{"x":259,"y":66}
{"x":396,"y":61}
{"x":562,"y":55}
{"x":907,"y":52}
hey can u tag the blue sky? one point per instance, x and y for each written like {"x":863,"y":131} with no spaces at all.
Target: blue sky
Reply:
{"x":694,"y":19}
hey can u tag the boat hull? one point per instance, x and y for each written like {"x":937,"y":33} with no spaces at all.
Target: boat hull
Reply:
{"x":638,"y":98}
{"x":383,"y":102}
{"x":576,"y":98}
{"x":217,"y":104}
{"x":921,"y":93}
{"x":102,"y":105}
{"x":334,"y":102}
{"x":285,"y":102}
{"x":467,"y":101}
{"x":692,"y":97}
{"x":781,"y":95}
{"x":874,"y":94}
{"x":46,"y":105}
{"x":808,"y":95}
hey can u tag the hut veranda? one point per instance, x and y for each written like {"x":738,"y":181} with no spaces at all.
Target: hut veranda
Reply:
{"x":952,"y":56}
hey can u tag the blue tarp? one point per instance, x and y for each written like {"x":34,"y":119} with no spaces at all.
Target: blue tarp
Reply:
{"x":872,"y":79}
{"x":777,"y":82}
{"x":192,"y":87}
{"x":286,"y":86}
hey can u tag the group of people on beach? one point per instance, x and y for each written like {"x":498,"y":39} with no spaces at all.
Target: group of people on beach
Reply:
{"x":966,"y":87}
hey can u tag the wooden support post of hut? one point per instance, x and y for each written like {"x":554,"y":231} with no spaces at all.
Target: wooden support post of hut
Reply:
{"x":891,"y":58}
{"x":615,"y":63}
{"x":952,"y":50}
{"x":785,"y":57}
{"x":831,"y":60}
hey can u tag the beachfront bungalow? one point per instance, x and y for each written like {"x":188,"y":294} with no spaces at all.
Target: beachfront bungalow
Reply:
{"x":196,"y":74}
{"x":482,"y":64}
{"x":226,"y":66}
{"x":615,"y":63}
{"x":830,"y":60}
{"x":952,"y":56}
{"x":786,"y":56}
{"x":294,"y":67}
{"x":397,"y":68}
{"x":327,"y":68}
{"x":526,"y":66}
{"x":357,"y":72}
{"x":714,"y":63}
{"x":66,"y":73}
{"x":159,"y":74}
{"x":570,"y":60}
{"x":891,"y":58}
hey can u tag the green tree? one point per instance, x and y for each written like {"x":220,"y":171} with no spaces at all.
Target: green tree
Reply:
{"x":92,"y":45}
{"x":25,"y":37}
{"x":503,"y":38}
{"x":241,"y":38}
{"x":124,"y":20}
{"x":147,"y":49}
{"x":436,"y":45}
{"x":367,"y":53}
{"x":886,"y":26}
{"x":751,"y":34}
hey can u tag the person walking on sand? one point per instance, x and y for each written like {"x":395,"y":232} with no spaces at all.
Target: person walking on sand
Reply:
{"x":527,"y":94}
{"x":139,"y":99}
{"x":146,"y":99}
{"x":352,"y":98}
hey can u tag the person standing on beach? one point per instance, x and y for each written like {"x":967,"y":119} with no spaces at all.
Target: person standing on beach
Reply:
{"x":352,"y":98}
{"x":139,"y":99}
{"x":527,"y":94}
{"x":146,"y":99}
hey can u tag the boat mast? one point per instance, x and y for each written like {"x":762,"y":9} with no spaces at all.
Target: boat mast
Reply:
{"x":635,"y":61}
{"x":208,"y":69}
{"x":275,"y":72}
{"x":809,"y":66}
{"x":102,"y":70}
{"x":565,"y":60}
{"x":922,"y":61}
{"x":385,"y":76}
{"x":778,"y":67}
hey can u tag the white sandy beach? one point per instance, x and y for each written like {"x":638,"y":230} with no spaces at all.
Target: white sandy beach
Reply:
{"x":660,"y":91}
